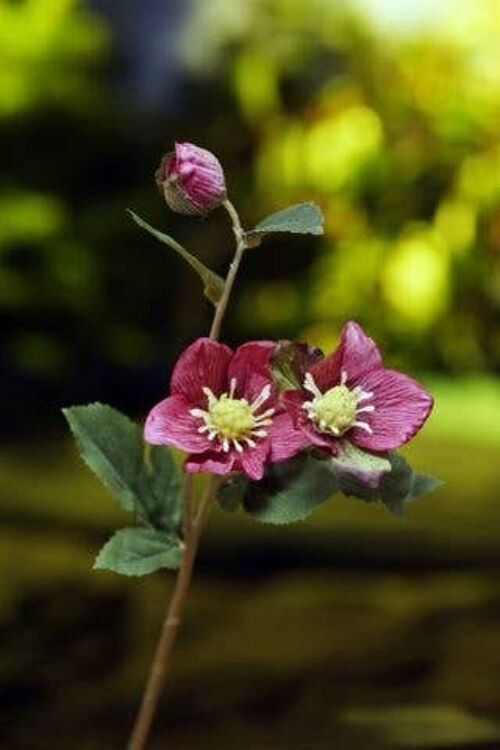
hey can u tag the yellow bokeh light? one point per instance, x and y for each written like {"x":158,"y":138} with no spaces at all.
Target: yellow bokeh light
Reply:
{"x":415,"y":280}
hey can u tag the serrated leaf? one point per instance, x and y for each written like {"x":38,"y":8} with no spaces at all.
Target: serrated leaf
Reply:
{"x":213,"y":285}
{"x":139,"y":551}
{"x":290,"y":361}
{"x":291,"y":490}
{"x":231,"y":492}
{"x":358,"y":472}
{"x":389,"y":479}
{"x":159,"y":501}
{"x":301,"y":218}
{"x":111,"y":446}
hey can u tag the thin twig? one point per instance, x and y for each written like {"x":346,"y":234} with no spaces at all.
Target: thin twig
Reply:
{"x":193,"y":525}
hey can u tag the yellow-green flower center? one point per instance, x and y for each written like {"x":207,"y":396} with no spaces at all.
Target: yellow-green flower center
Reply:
{"x":234,"y":421}
{"x":232,"y":418}
{"x":335,"y":409}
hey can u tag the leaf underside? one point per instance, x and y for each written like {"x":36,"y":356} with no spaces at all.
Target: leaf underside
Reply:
{"x":213,"y":284}
{"x":301,"y":218}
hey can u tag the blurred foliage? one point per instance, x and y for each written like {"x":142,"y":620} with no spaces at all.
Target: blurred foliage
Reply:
{"x":385,"y":114}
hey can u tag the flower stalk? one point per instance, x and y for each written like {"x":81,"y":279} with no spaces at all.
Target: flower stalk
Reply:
{"x":193,"y":524}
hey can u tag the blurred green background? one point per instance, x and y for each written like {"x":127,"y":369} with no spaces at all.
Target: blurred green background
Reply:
{"x":354,"y":628}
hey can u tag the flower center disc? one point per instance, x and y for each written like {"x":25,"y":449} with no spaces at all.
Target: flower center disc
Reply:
{"x":232,"y":418}
{"x":335,"y":409}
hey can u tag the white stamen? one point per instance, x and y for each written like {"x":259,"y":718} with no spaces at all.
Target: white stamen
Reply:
{"x":265,"y":414}
{"x":362,"y":395}
{"x":198,"y":413}
{"x":211,"y":435}
{"x":232,"y":387}
{"x":225,"y":445}
{"x":203,"y":428}
{"x":343,"y":377}
{"x":237,"y":445}
{"x":311,"y":386}
{"x":250,"y":442}
{"x":261,"y":398}
{"x":363,"y":426}
{"x":259,"y":433}
{"x":370,"y":407}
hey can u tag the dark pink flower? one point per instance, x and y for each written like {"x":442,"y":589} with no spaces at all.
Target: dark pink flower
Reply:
{"x":191,"y":180}
{"x":351,"y":395}
{"x":223,"y":410}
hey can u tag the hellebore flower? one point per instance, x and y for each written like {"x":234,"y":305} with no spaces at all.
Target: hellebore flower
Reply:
{"x":223,"y":410}
{"x":191,"y":180}
{"x":350,"y":395}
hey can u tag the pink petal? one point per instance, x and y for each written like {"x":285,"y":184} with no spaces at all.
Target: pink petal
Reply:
{"x":401,"y":407}
{"x":203,"y":363}
{"x":250,"y":367}
{"x":170,"y":423}
{"x":356,"y":354}
{"x":252,"y":460}
{"x":210,"y":462}
{"x":286,"y":439}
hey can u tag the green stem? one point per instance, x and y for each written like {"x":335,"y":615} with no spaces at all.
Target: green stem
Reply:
{"x":193,"y":525}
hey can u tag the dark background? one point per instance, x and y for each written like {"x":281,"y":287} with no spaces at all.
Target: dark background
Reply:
{"x":354,"y":627}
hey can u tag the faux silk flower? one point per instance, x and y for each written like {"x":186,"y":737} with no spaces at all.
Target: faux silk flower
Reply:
{"x":350,"y":395}
{"x":224,"y":410}
{"x":191,"y":180}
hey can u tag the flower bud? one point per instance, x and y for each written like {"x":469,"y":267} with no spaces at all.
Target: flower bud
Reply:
{"x":191,"y":180}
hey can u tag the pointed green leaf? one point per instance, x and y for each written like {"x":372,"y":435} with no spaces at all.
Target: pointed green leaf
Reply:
{"x":139,"y":551}
{"x":388,"y":478}
{"x":111,"y":446}
{"x":359,"y":473}
{"x":301,"y":218}
{"x":159,"y":502}
{"x":213,"y":284}
{"x":291,"y":490}
{"x":232,"y":491}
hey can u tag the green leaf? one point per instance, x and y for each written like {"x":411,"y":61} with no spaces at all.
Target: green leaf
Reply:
{"x":389,"y":478}
{"x":111,"y":446}
{"x":359,"y":473}
{"x":139,"y":551}
{"x":232,"y":491}
{"x":291,"y":490}
{"x":301,"y":218}
{"x":159,"y":500}
{"x":213,"y":285}
{"x":290,"y":361}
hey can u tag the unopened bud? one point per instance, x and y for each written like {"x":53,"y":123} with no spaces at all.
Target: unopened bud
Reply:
{"x":191,"y":180}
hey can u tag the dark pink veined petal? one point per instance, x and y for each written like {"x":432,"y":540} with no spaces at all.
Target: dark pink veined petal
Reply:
{"x":250,"y":367}
{"x":401,"y":407}
{"x":293,"y":402}
{"x":170,"y":423}
{"x":203,"y":363}
{"x":356,"y":354}
{"x":286,"y":439}
{"x":253,"y":460}
{"x":212,"y":462}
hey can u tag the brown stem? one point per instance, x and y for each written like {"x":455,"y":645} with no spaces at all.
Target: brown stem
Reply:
{"x":192,"y":527}
{"x":233,"y":270}
{"x":173,"y":617}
